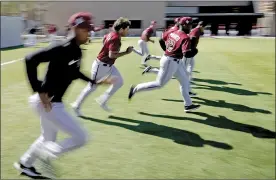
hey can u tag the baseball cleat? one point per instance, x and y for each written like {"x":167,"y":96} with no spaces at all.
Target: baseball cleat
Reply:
{"x":146,"y":70}
{"x":192,"y":94}
{"x":131,"y":92}
{"x":76,"y":109}
{"x":103,"y":105}
{"x":29,"y":171}
{"x":147,"y":58}
{"x":191,"y":107}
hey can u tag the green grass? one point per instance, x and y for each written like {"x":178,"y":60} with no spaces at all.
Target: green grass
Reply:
{"x":151,"y":137}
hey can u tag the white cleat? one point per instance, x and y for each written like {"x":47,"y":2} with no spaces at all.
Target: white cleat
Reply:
{"x":103,"y":105}
{"x":76,"y":109}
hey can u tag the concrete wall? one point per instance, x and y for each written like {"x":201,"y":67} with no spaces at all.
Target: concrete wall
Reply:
{"x":11,"y":29}
{"x":59,"y":12}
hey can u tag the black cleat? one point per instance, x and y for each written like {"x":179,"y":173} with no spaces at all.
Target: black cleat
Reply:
{"x":146,"y":70}
{"x":147,"y":58}
{"x":191,"y":107}
{"x":131,"y":92}
{"x":192,"y":94}
{"x":28,"y":171}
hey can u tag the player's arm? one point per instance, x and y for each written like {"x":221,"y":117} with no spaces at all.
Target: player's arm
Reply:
{"x":186,"y":49}
{"x":33,"y":60}
{"x":162,"y":41}
{"x":148,"y":35}
{"x":162,"y":44}
{"x":193,"y":41}
{"x":98,"y":28}
{"x":114,"y":47}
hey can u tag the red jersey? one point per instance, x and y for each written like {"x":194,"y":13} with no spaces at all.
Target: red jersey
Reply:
{"x":168,"y":31}
{"x":177,"y":43}
{"x":147,"y":33}
{"x":195,"y":33}
{"x":111,"y":42}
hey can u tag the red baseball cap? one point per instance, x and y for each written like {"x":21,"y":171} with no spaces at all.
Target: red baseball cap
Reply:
{"x":176,"y":20}
{"x":81,"y":20}
{"x":185,"y":20}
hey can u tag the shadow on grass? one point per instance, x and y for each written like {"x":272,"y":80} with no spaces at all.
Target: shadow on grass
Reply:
{"x":222,"y":122}
{"x":231,"y":90}
{"x":223,"y":104}
{"x":179,"y":136}
{"x":34,"y":177}
{"x":213,"y":81}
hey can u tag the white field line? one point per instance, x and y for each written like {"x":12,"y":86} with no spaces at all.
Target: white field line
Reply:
{"x":10,"y":62}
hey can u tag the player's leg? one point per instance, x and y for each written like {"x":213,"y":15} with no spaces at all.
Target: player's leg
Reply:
{"x":182,"y":78}
{"x":68,"y":124}
{"x":48,"y":133}
{"x":98,"y":72}
{"x":141,"y":50}
{"x":148,"y":55}
{"x":116,"y":85}
{"x":95,"y":71}
{"x":167,"y":68}
{"x":150,"y":69}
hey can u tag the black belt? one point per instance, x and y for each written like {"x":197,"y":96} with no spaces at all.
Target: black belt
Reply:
{"x":107,"y":65}
{"x":176,"y":60}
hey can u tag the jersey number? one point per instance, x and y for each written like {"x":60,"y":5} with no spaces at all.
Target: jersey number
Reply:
{"x":170,"y":45}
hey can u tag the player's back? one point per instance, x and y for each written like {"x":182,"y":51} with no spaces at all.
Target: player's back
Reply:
{"x":168,"y":31}
{"x":177,"y":42}
{"x":111,"y":42}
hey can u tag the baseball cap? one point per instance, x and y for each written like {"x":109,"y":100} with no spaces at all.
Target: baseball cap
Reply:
{"x":185,"y":20}
{"x":81,"y":20}
{"x":176,"y":20}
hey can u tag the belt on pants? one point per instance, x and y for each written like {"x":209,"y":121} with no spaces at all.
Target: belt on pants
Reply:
{"x":107,"y":64}
{"x":176,"y":60}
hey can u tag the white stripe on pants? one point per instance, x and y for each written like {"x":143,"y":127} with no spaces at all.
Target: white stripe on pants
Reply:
{"x":168,"y":69}
{"x":100,"y":72}
{"x":51,"y":122}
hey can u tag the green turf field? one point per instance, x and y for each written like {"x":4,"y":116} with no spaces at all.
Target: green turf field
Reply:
{"x":152,"y":137}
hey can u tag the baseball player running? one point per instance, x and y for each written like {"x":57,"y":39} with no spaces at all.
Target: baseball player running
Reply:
{"x":142,"y":43}
{"x":103,"y":67}
{"x":161,"y":41}
{"x":194,"y":36}
{"x":177,"y":46}
{"x":64,"y":67}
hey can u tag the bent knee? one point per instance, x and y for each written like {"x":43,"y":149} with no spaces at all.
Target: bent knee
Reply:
{"x":81,"y":138}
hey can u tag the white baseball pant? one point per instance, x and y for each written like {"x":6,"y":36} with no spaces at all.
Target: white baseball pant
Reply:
{"x":99,"y":72}
{"x":51,"y":122}
{"x":169,"y":67}
{"x":144,"y":51}
{"x":31,"y":40}
{"x":189,"y":65}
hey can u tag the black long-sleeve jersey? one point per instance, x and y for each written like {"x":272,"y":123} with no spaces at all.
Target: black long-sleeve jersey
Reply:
{"x":64,"y":67}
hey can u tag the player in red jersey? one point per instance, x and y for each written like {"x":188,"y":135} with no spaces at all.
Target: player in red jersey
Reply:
{"x":145,"y":38}
{"x":178,"y":45}
{"x":162,"y":44}
{"x":194,"y":36}
{"x":103,"y":67}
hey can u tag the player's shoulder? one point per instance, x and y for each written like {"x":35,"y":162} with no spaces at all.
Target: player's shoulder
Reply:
{"x":114,"y":36}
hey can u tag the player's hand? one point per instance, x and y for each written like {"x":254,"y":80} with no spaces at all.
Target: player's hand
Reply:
{"x":129,"y":49}
{"x":46,"y":101}
{"x":152,"y":41}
